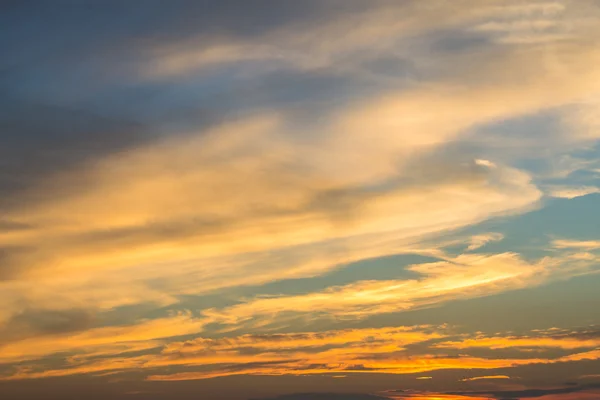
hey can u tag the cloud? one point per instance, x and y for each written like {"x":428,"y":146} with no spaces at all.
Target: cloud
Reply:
{"x":305,"y":200}
{"x":251,"y":185}
{"x":399,"y":337}
{"x":57,"y":140}
{"x":96,"y":340}
{"x":583,"y":119}
{"x":416,"y":395}
{"x":587,"y":355}
{"x":477,"y":378}
{"x":571,"y":192}
{"x":465,"y":276}
{"x":478,"y":241}
{"x":151,"y":346}
{"x":529,"y":24}
{"x":368,"y":32}
{"x":385,"y":366}
{"x":576,"y":244}
{"x":552,"y":338}
{"x":144,"y":162}
{"x":48,"y":322}
{"x":550,"y":394}
{"x":118,"y":348}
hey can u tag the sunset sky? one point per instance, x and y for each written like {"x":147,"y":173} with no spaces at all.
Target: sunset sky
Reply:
{"x":299,"y":199}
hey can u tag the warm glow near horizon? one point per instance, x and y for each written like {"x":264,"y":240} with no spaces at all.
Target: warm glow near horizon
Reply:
{"x":300,"y":200}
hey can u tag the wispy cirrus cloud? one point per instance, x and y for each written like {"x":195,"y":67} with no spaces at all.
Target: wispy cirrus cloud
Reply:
{"x":478,"y":241}
{"x":463,"y":277}
{"x":576,"y":244}
{"x":478,"y":378}
{"x":190,"y":155}
{"x":261,"y":189}
{"x":570,"y":192}
{"x":553,"y":338}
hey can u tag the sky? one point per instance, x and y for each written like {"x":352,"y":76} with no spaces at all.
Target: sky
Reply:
{"x":300,"y":200}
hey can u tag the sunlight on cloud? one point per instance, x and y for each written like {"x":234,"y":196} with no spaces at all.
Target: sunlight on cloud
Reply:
{"x":102,"y":340}
{"x":402,"y":162}
{"x":224,"y":194}
{"x":369,"y":350}
{"x":506,"y":342}
{"x":466,"y":276}
{"x":378,"y":354}
{"x":477,"y":378}
{"x":435,"y":396}
{"x":576,"y":244}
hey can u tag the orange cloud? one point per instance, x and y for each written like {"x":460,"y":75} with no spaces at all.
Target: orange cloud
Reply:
{"x":509,"y":342}
{"x":258,"y":200}
{"x":101,"y":341}
{"x":553,"y":338}
{"x":465,"y":276}
{"x":339,"y":352}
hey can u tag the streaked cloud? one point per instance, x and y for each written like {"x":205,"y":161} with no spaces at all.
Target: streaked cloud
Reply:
{"x":572,"y":392}
{"x":478,"y":241}
{"x":567,"y":192}
{"x":478,"y":378}
{"x":552,"y":338}
{"x":403,"y":350}
{"x":466,"y":276}
{"x":576,"y":244}
{"x":100,"y":341}
{"x":187,"y":190}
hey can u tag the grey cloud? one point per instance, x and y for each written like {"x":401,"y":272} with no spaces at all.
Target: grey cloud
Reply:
{"x":90,"y":55}
{"x":11,"y":265}
{"x":589,"y":333}
{"x":39,"y":141}
{"x":76,"y":31}
{"x":250,"y":342}
{"x":8,"y":225}
{"x":456,"y":41}
{"x":338,"y":204}
{"x":242,"y":367}
{"x":41,"y":322}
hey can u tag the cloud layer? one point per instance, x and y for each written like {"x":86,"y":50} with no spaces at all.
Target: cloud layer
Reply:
{"x":187,"y":190}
